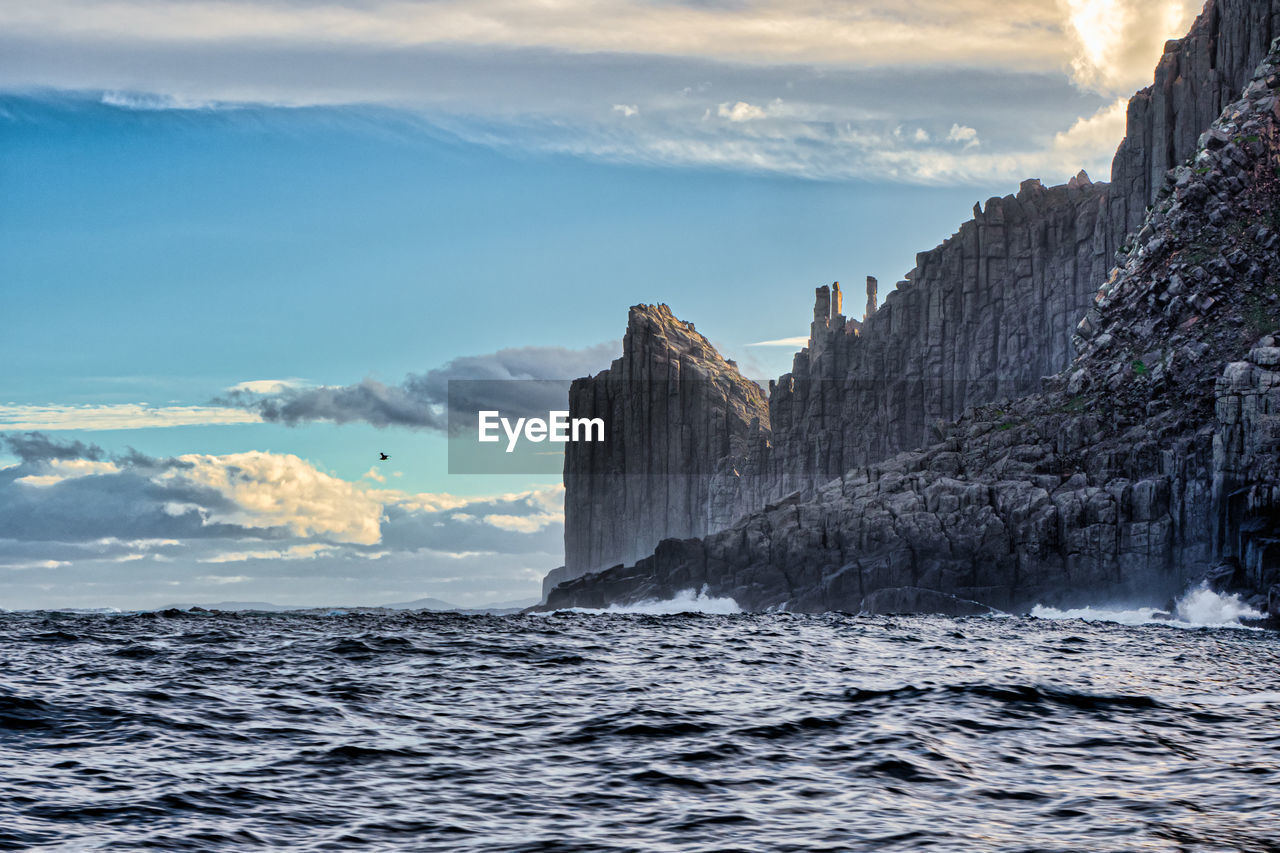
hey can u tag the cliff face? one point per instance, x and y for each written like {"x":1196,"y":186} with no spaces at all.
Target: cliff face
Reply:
{"x":981,"y":318}
{"x":673,"y":407}
{"x":1151,"y":458}
{"x":1196,"y":77}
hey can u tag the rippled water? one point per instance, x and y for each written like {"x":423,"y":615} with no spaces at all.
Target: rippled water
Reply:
{"x":609,"y":732}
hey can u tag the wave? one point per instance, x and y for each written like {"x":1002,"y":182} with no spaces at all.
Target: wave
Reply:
{"x":1199,"y":607}
{"x":685,"y":601}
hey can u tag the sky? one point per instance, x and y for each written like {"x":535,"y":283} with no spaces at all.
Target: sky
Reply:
{"x":246,"y":245}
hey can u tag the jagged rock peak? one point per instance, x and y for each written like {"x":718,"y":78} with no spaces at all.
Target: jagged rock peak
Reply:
{"x":674,"y":408}
{"x":654,"y":332}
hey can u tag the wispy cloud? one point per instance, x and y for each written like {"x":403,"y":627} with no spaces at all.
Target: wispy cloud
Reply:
{"x":265,"y":386}
{"x":788,"y":86}
{"x":519,"y":380}
{"x":116,"y":416}
{"x":775,"y":31}
{"x":794,"y":343}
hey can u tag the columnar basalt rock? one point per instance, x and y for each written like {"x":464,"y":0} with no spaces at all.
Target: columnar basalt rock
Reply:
{"x":873,"y":287}
{"x":1151,"y":458}
{"x":673,"y":407}
{"x":1196,"y":77}
{"x":983,"y":316}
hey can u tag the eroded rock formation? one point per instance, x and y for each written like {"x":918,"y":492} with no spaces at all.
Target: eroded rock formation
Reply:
{"x":1149,"y":460}
{"x":673,"y":407}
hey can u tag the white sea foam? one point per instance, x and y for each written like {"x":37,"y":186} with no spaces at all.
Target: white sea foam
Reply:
{"x":686,"y":601}
{"x":1200,"y":607}
{"x":1203,"y":606}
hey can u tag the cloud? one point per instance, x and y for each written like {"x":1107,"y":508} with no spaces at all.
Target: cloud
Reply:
{"x":35,"y":447}
{"x":117,"y":416}
{"x":532,"y":77}
{"x":967,"y":136}
{"x":295,"y":552}
{"x":129,"y":101}
{"x":1114,"y":43}
{"x":794,"y":343}
{"x":144,"y":531}
{"x":520,"y":381}
{"x":1101,"y":131}
{"x":263,"y":506}
{"x":775,"y":31}
{"x":265,"y":386}
{"x":524,"y":523}
{"x":35,"y":564}
{"x":269,"y":490}
{"x":369,"y":401}
{"x":66,"y":469}
{"x":741,"y":111}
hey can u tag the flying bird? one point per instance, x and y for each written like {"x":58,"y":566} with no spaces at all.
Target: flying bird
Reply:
{"x":382,"y":457}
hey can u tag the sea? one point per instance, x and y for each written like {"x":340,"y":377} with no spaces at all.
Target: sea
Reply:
{"x":669,"y":726}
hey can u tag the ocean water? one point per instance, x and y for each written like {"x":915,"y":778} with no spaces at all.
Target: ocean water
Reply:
{"x":636,"y":731}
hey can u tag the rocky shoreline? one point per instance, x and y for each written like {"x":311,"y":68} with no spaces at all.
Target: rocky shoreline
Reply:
{"x":1147,"y":461}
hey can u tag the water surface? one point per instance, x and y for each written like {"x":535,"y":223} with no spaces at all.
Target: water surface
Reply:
{"x":599,"y":732}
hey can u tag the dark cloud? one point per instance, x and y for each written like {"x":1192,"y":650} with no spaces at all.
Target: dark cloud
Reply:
{"x":518,"y":381}
{"x":369,"y":401}
{"x":35,"y":447}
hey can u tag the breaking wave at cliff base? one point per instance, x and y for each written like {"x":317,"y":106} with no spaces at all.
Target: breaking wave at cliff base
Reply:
{"x":1199,"y":607}
{"x":685,"y":601}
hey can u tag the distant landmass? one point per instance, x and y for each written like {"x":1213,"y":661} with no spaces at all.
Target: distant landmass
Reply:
{"x":416,"y":604}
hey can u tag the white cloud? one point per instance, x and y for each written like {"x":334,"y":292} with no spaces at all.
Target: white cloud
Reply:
{"x":1115,"y":43}
{"x":35,"y":564}
{"x":795,"y":343}
{"x":773,"y":31}
{"x":524,"y":523}
{"x":372,"y":474}
{"x":534,"y":76}
{"x":741,"y":111}
{"x":130,"y":101}
{"x":68,"y":469}
{"x":295,"y":552}
{"x":964,"y":135}
{"x":279,"y":490}
{"x":224,"y":579}
{"x":1093,"y":136}
{"x":117,"y":416}
{"x":265,"y":386}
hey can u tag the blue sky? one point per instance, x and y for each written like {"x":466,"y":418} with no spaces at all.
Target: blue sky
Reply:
{"x":183,"y":210}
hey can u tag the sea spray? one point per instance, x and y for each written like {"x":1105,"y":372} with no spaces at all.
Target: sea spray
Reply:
{"x":685,"y":601}
{"x":1199,"y":607}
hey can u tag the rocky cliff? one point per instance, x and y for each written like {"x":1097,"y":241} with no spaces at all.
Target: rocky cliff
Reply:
{"x":1148,"y":461}
{"x":983,"y":316}
{"x":1196,"y":77}
{"x":673,"y":408}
